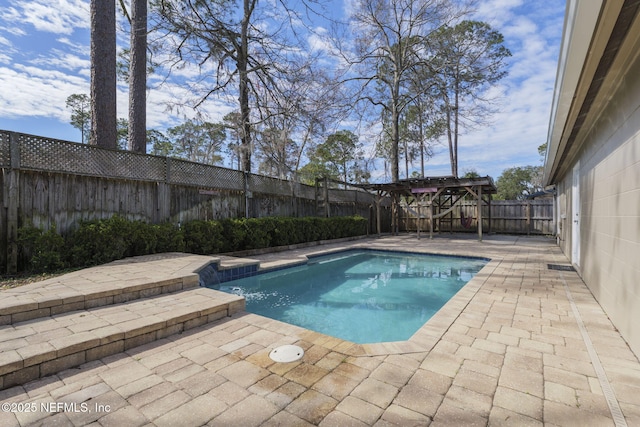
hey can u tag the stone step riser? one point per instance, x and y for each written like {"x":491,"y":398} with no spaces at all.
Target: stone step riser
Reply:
{"x":47,"y":356}
{"x":61,"y":304}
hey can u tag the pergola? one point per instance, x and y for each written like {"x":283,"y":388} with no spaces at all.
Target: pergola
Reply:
{"x":438,"y":194}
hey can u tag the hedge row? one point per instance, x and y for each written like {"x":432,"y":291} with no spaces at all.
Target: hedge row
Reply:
{"x":100,"y":241}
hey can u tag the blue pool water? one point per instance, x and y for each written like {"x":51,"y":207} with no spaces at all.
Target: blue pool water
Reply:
{"x":359,"y":296}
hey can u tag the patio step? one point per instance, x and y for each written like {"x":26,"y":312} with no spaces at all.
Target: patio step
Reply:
{"x":113,"y":283}
{"x":119,"y":281}
{"x":15,"y":308}
{"x":53,"y":342}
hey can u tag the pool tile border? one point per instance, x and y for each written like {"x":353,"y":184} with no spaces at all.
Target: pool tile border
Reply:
{"x":423,"y":340}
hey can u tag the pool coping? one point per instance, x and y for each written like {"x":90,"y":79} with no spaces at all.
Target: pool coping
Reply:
{"x":515,"y":355}
{"x":423,"y":340}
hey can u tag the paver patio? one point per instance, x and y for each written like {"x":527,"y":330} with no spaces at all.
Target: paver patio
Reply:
{"x":507,"y":350}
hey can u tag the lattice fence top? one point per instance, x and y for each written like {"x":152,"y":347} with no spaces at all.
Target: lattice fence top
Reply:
{"x":265,"y":184}
{"x":349,"y":196}
{"x":305,"y":191}
{"x":37,"y":153}
{"x":5,"y":149}
{"x":53,"y":155}
{"x":190,"y":173}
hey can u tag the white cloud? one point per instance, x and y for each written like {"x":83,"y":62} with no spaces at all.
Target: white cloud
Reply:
{"x":57,"y":16}
{"x":318,"y":42}
{"x":36,"y":92}
{"x":496,"y":12}
{"x":532,"y":33}
{"x":75,"y":46}
{"x":60,"y":60}
{"x":167,"y":107}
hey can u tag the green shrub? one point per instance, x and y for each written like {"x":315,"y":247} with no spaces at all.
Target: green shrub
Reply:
{"x":344,"y":226}
{"x":203,"y":237}
{"x":141,"y":239}
{"x":27,"y":238}
{"x":312,"y":229}
{"x":41,"y":250}
{"x":234,"y":233}
{"x":294,"y":229}
{"x":271,"y":226}
{"x":169,"y":238}
{"x":104,"y":240}
{"x":99,"y":241}
{"x":257,"y":236}
{"x":282,"y":231}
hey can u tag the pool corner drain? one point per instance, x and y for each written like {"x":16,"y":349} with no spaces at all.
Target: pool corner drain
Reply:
{"x":286,"y":353}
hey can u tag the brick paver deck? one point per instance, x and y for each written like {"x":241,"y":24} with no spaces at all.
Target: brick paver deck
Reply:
{"x":507,"y":350}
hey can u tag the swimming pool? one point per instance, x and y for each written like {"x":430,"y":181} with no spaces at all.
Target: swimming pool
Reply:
{"x":363,"y":296}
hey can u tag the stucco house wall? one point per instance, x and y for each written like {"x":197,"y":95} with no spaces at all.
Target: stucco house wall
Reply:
{"x":603,"y":158}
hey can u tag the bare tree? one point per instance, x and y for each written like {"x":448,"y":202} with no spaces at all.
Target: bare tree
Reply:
{"x":233,"y":123}
{"x":296,"y":118}
{"x":239,"y":53}
{"x":277,"y":152}
{"x":388,"y":48}
{"x":317,"y":109}
{"x":103,"y":73}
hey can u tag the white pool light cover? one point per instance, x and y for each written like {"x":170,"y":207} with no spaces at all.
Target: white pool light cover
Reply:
{"x":286,"y":353}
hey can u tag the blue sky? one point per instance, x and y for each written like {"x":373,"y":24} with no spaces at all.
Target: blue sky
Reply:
{"x":44,"y":58}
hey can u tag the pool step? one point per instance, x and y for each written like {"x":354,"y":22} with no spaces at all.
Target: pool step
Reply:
{"x":65,"y":321}
{"x":113,"y":283}
{"x":16,"y":309}
{"x":49,"y":344}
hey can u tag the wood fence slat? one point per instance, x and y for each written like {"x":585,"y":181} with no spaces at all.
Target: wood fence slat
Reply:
{"x":46,"y":182}
{"x":507,"y":216}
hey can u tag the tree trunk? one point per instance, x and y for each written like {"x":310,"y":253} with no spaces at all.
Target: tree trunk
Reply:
{"x":395,"y":141}
{"x":395,"y":128}
{"x":243,"y":59}
{"x":455,"y":122}
{"x":406,"y":159}
{"x":103,"y":73}
{"x":138,"y":78}
{"x":450,"y":139}
{"x":421,"y":136}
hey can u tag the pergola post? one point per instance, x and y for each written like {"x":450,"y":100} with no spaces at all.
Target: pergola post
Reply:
{"x":395,"y":214}
{"x":430,"y":216}
{"x":378,"y":220}
{"x":480,"y":213}
{"x":419,"y":200}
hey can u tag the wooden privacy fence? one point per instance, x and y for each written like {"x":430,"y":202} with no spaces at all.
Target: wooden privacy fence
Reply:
{"x":506,"y":216}
{"x":47,"y":181}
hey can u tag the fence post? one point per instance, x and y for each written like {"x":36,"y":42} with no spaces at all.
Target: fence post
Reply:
{"x":163,"y":196}
{"x":327,"y":207}
{"x":294,"y":203}
{"x":355,"y":203}
{"x":528,"y":212}
{"x":247,"y":194}
{"x":12,"y":203}
{"x":489,"y":212}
